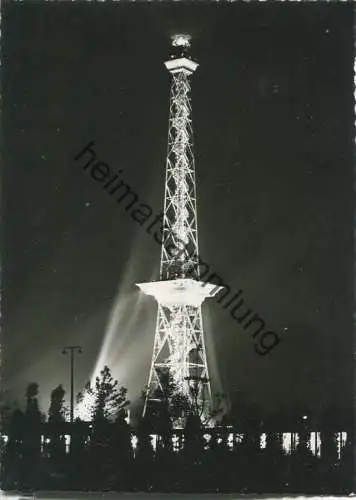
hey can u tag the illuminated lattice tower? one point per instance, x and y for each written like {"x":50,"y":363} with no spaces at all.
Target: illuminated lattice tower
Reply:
{"x":179,"y":346}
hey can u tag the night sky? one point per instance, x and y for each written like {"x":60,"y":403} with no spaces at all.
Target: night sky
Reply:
{"x":273,"y":129}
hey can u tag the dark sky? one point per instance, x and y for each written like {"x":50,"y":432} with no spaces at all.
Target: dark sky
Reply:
{"x":273,"y":125}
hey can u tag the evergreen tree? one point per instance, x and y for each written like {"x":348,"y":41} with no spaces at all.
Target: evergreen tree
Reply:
{"x":347,"y":462}
{"x":193,"y":452}
{"x":193,"y":438}
{"x":273,"y":462}
{"x":144,"y":456}
{"x":108,"y":407}
{"x":32,"y":412}
{"x":32,"y":438}
{"x":57,"y":410}
{"x":329,"y":450}
{"x":6,"y":410}
{"x":106,"y":398}
{"x":121,"y":453}
{"x":78,"y":469}
{"x":250,"y":451}
{"x":303,"y":463}
{"x":56,"y":420}
{"x":12,"y":463}
{"x":172,"y":410}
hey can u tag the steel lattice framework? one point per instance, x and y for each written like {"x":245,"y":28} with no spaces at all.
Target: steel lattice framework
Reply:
{"x":179,"y":346}
{"x":178,"y":254}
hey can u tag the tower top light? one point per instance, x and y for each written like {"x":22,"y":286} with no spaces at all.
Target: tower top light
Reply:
{"x":179,"y":61}
{"x":181,"y":40}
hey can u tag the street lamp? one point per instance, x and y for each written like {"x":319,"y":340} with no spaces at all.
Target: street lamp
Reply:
{"x":72,"y":349}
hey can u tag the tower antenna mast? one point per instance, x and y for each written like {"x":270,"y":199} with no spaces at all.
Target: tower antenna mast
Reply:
{"x":179,"y":347}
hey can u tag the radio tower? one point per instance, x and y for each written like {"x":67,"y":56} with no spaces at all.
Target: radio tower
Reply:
{"x":179,"y":347}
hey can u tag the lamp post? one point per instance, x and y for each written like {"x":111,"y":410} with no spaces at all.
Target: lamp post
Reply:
{"x":72,"y":349}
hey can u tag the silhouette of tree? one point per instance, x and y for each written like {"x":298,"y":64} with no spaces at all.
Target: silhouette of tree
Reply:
{"x":328,"y":442}
{"x":144,"y":456}
{"x":193,"y":451}
{"x":303,"y":464}
{"x":346,"y":467}
{"x":108,"y":407}
{"x":249,"y":449}
{"x":12,"y":459}
{"x":32,"y":410}
{"x":169,"y":409}
{"x":329,"y":451}
{"x":121,"y":460}
{"x":32,"y":438}
{"x":6,"y":413}
{"x":272,"y":462}
{"x":102,"y":458}
{"x":56,"y":419}
{"x":6,"y":409}
{"x":57,"y":410}
{"x":218,"y":460}
{"x":78,"y":466}
{"x":193,"y":439}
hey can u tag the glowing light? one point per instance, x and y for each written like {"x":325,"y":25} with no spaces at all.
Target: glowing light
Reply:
{"x":134,"y":442}
{"x":315,"y":443}
{"x":230,"y":440}
{"x":67,"y":442}
{"x":287,"y":442}
{"x":207,"y":438}
{"x":181,"y":40}
{"x":239,"y":438}
{"x":263,"y":440}
{"x":175,"y":442}
{"x":85,"y":407}
{"x":125,"y":342}
{"x":128,"y":416}
{"x":340,"y":442}
{"x":154,"y":439}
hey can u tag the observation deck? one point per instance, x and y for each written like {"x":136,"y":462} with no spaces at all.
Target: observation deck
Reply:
{"x":180,"y":292}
